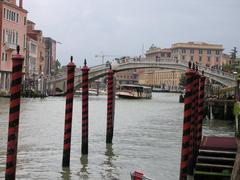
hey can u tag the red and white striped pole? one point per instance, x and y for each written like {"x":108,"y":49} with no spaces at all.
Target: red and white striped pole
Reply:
{"x":68,"y":114}
{"x":110,"y":107}
{"x":85,"y":70}
{"x":14,"y":116}
{"x":186,"y":124}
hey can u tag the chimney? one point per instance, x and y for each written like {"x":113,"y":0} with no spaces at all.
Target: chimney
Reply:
{"x":21,"y":3}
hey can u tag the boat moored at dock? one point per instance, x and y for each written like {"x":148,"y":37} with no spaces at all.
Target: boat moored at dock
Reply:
{"x":134,"y":91}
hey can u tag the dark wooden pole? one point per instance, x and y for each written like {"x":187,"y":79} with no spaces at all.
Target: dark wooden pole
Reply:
{"x":68,"y":114}
{"x":14,"y":114}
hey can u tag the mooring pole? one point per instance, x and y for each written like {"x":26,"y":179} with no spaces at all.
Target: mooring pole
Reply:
{"x":85,"y":70}
{"x":68,"y":114}
{"x":186,"y":124}
{"x":14,"y":114}
{"x":191,"y":136}
{"x":110,"y":106}
{"x":200,"y":109}
{"x":195,"y":133}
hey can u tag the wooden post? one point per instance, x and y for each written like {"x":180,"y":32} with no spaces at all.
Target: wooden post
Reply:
{"x":110,"y":106}
{"x":14,"y":114}
{"x":186,"y":126}
{"x":68,"y":114}
{"x":85,"y":70}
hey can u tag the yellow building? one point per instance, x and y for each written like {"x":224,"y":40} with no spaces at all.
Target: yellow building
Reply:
{"x":160,"y":78}
{"x":199,"y":52}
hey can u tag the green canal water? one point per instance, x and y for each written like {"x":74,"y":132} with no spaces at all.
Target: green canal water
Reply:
{"x":147,"y":137}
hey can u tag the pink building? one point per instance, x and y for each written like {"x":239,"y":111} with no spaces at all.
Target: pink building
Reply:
{"x":13,"y":26}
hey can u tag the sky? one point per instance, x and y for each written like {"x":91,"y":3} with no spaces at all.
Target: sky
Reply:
{"x":115,"y":28}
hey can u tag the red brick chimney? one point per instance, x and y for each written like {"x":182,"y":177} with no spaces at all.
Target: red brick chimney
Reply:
{"x":21,"y":3}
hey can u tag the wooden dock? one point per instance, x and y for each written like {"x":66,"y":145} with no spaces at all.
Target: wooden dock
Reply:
{"x":216,"y":158}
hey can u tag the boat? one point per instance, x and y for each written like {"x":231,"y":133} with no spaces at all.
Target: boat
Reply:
{"x":134,"y":91}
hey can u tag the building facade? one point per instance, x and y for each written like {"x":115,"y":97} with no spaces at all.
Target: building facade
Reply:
{"x":50,"y":55}
{"x":165,"y":79}
{"x":13,"y":27}
{"x":199,"y":52}
{"x":156,"y":52}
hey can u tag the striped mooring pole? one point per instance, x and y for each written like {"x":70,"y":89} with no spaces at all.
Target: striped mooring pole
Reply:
{"x":85,"y":70}
{"x":14,"y":113}
{"x":200,"y":109}
{"x":186,"y":124}
{"x":68,"y":114}
{"x":191,"y":136}
{"x":195,"y":140}
{"x":110,"y":107}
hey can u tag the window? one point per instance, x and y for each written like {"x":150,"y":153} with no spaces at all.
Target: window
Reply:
{"x":217,"y":52}
{"x":4,"y":13}
{"x":25,"y":20}
{"x":200,"y":59}
{"x":24,"y":40}
{"x":183,"y":57}
{"x":192,"y":58}
{"x":208,"y":51}
{"x":209,"y":58}
{"x":16,"y":37}
{"x":217,"y":59}
{"x":6,"y":57}
{"x":192,"y":51}
{"x":3,"y":36}
{"x":17,"y":18}
{"x":3,"y":56}
{"x":200,"y":51}
{"x":183,"y":51}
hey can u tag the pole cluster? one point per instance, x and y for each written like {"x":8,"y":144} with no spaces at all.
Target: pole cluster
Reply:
{"x":192,"y":121}
{"x":14,"y":112}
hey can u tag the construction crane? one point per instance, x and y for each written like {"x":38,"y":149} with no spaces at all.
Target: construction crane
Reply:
{"x":103,"y":56}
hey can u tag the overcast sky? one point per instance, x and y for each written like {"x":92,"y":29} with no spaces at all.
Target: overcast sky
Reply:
{"x":123,"y":27}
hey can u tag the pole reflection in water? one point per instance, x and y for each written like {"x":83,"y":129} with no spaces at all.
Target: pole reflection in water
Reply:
{"x":108,"y":164}
{"x":66,"y":173}
{"x":84,"y":170}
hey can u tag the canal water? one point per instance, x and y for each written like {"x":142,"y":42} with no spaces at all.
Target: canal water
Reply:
{"x":147,"y":137}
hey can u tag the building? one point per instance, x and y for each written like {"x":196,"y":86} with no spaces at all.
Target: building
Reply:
{"x":156,"y":52}
{"x":50,"y":55}
{"x":199,"y":52}
{"x":13,"y":26}
{"x":36,"y":47}
{"x":165,"y":79}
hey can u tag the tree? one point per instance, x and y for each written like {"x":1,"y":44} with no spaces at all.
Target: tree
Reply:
{"x":234,"y":53}
{"x":233,"y":57}
{"x":182,"y":80}
{"x":57,"y":66}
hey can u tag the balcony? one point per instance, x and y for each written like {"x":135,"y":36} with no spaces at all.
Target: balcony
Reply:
{"x":10,"y":46}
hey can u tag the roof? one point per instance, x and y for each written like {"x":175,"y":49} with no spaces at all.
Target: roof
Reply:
{"x":134,"y":85}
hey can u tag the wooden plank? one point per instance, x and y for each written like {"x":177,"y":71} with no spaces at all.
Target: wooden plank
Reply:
{"x":217,"y":152}
{"x":214,"y":165}
{"x":212,"y":173}
{"x":216,"y":158}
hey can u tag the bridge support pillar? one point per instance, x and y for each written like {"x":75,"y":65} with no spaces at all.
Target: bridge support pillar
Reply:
{"x":110,"y":107}
{"x":85,"y":70}
{"x":68,"y":114}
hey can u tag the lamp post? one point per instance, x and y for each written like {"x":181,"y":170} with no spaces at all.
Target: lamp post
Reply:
{"x":42,"y":92}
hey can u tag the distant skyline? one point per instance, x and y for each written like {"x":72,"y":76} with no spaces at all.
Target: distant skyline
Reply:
{"x":123,"y":27}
